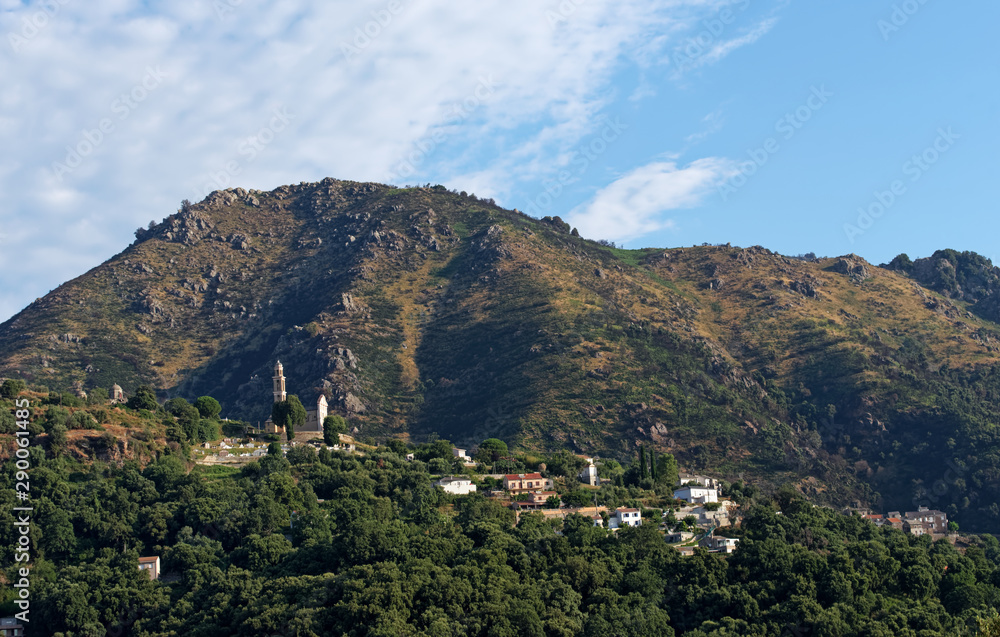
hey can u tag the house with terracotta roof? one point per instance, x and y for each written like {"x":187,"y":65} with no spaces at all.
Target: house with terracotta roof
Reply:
{"x":628,"y":517}
{"x":526,"y":483}
{"x":539,"y":499}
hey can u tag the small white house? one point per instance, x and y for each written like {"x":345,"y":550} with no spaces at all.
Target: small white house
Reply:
{"x":719,"y":544}
{"x":679,"y":536}
{"x":460,"y":454}
{"x":705,"y":481}
{"x":629,"y":517}
{"x":589,"y":474}
{"x":457,"y":485}
{"x":698,"y":495}
{"x":151,"y":565}
{"x":598,"y":521}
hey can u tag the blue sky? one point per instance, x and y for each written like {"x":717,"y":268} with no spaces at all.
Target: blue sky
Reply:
{"x":652,"y":123}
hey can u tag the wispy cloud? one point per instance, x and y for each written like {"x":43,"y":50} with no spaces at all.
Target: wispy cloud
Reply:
{"x":722,"y":49}
{"x":356,"y":116}
{"x":635,"y":204}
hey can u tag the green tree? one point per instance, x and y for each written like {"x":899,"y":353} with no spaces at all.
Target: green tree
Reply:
{"x":81,"y":420}
{"x":289,"y":414}
{"x":187,"y":417}
{"x":12,"y":387}
{"x":333,"y":428}
{"x":642,"y":462}
{"x":208,"y":407}
{"x":58,"y":439}
{"x":97,"y":396}
{"x":491,"y":450}
{"x":666,"y":470}
{"x":55,"y":416}
{"x":552,"y":502}
{"x":8,"y":424}
{"x":989,"y":626}
{"x":143,"y":398}
{"x":302,"y":454}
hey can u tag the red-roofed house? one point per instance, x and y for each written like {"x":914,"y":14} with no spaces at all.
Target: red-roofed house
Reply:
{"x":526,"y":483}
{"x":629,"y":517}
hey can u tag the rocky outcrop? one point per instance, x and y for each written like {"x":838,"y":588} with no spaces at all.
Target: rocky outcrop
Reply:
{"x":853,"y":266}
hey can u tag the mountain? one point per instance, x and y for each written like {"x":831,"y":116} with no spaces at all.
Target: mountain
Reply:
{"x":422,"y":312}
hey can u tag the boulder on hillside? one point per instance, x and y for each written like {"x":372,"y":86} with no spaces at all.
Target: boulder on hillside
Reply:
{"x":853,"y":266}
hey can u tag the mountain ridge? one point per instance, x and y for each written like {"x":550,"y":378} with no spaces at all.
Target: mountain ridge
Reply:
{"x":423,"y":312}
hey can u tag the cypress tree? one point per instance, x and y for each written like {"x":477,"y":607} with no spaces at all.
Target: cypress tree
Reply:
{"x":642,"y":462}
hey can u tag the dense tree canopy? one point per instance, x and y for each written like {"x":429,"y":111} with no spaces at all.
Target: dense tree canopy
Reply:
{"x":338,"y":544}
{"x":208,"y":407}
{"x":143,"y":398}
{"x":12,"y":387}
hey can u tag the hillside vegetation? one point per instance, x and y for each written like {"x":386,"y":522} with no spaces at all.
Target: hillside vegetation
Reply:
{"x":422,"y":312}
{"x":333,"y":544}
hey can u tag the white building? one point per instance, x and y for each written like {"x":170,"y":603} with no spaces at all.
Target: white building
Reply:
{"x":314,"y":417}
{"x":705,"y":481}
{"x":150,"y":565}
{"x":679,"y":536}
{"x":698,"y":495}
{"x":457,"y":485}
{"x":589,"y":473}
{"x":598,"y":520}
{"x":719,"y":544}
{"x":628,"y":517}
{"x":461,"y":455}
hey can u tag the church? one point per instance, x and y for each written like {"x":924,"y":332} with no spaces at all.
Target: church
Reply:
{"x":314,"y":417}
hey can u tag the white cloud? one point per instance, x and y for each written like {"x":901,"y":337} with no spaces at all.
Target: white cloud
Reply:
{"x":354,"y":118}
{"x":722,"y":49}
{"x":634,"y":204}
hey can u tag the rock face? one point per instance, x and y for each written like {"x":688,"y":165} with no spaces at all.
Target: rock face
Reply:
{"x":352,"y":404}
{"x":853,"y":266}
{"x":963,"y":276}
{"x":188,"y":227}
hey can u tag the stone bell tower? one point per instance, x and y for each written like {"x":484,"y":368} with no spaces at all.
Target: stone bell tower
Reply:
{"x":279,"y":383}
